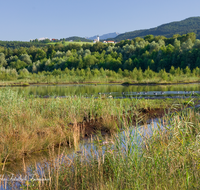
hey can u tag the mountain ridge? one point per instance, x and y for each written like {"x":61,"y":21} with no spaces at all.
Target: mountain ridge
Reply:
{"x":105,"y":36}
{"x":191,"y":24}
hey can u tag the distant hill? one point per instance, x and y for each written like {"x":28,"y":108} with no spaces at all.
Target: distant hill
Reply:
{"x":76,"y":38}
{"x":188,"y":25}
{"x":105,"y":36}
{"x":18,"y":44}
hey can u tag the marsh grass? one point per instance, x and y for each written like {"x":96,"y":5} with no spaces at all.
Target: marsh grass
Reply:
{"x":107,"y":77}
{"x":164,"y":155}
{"x":30,"y":124}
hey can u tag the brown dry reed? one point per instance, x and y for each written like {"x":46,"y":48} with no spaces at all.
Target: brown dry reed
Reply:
{"x":30,"y":124}
{"x":165,"y":155}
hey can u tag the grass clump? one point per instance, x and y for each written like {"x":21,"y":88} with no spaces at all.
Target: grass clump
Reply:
{"x":163,"y":156}
{"x":29,"y":124}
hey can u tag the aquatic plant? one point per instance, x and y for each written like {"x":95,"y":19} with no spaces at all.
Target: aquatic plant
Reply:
{"x":161,"y":156}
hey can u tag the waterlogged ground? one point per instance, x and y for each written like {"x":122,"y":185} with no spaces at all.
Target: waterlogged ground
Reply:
{"x":43,"y":160}
{"x":115,"y":91}
{"x":47,"y":157}
{"x":21,"y":171}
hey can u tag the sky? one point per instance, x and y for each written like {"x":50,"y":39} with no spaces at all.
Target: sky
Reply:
{"x":22,"y":20}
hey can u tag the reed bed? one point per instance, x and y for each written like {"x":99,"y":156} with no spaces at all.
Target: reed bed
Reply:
{"x":67,"y":79}
{"x":163,"y":156}
{"x":30,"y":124}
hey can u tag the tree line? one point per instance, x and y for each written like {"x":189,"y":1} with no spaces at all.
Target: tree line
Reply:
{"x":155,"y":53}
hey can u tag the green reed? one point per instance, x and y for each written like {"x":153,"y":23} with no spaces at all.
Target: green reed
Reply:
{"x":166,"y":158}
{"x":29,"y":124}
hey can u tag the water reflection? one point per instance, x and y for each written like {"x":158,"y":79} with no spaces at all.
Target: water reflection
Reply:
{"x":110,"y":90}
{"x":88,"y":147}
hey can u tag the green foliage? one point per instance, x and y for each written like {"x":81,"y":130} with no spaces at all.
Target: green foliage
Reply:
{"x":77,"y":39}
{"x":171,"y":30}
{"x":174,"y":55}
{"x":3,"y":62}
{"x":142,"y":157}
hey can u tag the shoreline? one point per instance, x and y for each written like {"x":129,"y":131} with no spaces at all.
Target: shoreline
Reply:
{"x":92,"y":126}
{"x":26,"y":84}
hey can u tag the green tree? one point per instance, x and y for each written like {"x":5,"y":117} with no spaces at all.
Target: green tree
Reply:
{"x":149,"y":38}
{"x":18,"y":65}
{"x":187,"y":71}
{"x":197,"y":64}
{"x":51,"y":51}
{"x":128,"y":64}
{"x":26,"y":59}
{"x":23,"y":73}
{"x":177,"y":44}
{"x":172,"y":70}
{"x":187,"y":45}
{"x":89,"y":60}
{"x":40,"y":54}
{"x":3,"y":61}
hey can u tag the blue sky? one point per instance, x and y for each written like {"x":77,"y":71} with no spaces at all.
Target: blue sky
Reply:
{"x":30,"y":19}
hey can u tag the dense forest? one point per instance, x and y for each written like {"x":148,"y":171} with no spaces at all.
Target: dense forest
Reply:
{"x":77,"y":39}
{"x":179,"y":54}
{"x":36,"y":43}
{"x":18,"y":44}
{"x":188,"y":25}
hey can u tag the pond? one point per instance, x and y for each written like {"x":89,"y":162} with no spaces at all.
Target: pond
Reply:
{"x":115,"y":91}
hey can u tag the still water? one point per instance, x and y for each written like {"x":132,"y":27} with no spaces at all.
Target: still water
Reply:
{"x":116,"y":91}
{"x":22,"y":170}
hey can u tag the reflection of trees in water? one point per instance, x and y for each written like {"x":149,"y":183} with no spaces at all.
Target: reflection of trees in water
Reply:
{"x":92,"y":89}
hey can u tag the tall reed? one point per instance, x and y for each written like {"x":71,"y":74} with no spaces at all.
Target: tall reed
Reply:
{"x":30,"y":124}
{"x":164,"y":155}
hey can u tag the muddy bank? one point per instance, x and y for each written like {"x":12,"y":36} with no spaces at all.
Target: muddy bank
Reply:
{"x":160,"y":83}
{"x":90,"y":126}
{"x":21,"y":84}
{"x":107,"y":125}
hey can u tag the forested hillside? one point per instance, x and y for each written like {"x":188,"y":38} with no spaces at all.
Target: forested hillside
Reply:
{"x":76,"y":38}
{"x":36,"y":43}
{"x":188,"y":25}
{"x":18,"y":44}
{"x":178,"y":54}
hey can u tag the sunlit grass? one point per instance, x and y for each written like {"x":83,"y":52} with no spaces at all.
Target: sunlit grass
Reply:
{"x":164,"y":159}
{"x":167,"y":158}
{"x":75,"y":79}
{"x":30,"y":124}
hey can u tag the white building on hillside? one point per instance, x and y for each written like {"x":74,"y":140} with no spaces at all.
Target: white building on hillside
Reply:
{"x":43,"y":38}
{"x":96,"y":40}
{"x":111,"y":42}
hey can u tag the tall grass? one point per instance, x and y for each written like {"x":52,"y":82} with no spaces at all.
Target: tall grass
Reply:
{"x":30,"y":124}
{"x":165,"y":158}
{"x":95,"y":76}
